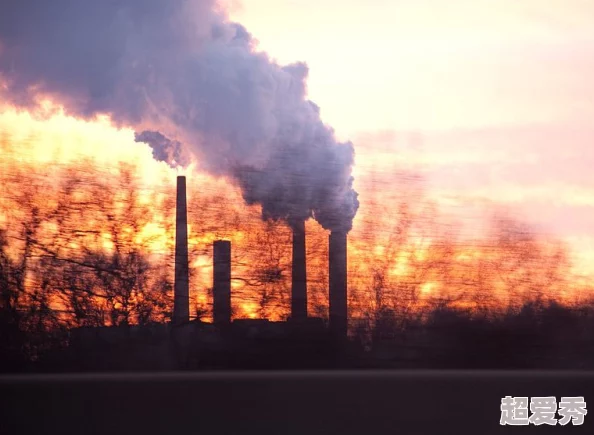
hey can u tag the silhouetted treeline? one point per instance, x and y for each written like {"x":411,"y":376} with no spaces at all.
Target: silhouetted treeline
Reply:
{"x":90,"y":246}
{"x":537,"y":335}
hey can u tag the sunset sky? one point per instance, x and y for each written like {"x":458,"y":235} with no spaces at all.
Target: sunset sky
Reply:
{"x":492,"y":101}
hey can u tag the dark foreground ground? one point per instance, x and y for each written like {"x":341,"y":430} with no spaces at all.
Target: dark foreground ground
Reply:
{"x":322,"y":402}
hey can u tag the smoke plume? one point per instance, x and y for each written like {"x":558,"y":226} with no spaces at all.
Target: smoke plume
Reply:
{"x":184,"y":76}
{"x":164,"y":149}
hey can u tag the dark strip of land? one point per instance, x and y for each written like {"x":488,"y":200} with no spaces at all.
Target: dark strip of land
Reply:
{"x":282,"y":402}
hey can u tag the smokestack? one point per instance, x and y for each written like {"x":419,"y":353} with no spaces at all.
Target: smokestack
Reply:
{"x":181,"y":298}
{"x":221,"y":288}
{"x":338,"y":283}
{"x":299,"y":273}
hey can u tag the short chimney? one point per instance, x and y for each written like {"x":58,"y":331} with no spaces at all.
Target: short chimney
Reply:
{"x":338,"y":283}
{"x":181,"y":298}
{"x":221,"y":289}
{"x":299,"y":273}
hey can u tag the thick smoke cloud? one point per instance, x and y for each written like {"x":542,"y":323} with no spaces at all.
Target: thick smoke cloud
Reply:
{"x":181,"y":72}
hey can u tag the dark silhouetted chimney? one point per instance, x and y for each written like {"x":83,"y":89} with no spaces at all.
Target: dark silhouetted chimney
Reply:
{"x":299,"y":274}
{"x":221,"y":289}
{"x":338,"y":283}
{"x":181,"y":298}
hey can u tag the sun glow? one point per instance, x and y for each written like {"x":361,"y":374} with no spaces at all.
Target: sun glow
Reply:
{"x":250,"y":310}
{"x":428,"y":288}
{"x":60,"y":139}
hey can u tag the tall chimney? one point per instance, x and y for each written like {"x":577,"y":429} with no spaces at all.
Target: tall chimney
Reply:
{"x":221,"y":288}
{"x":181,"y":298}
{"x":299,"y":273}
{"x":338,"y":283}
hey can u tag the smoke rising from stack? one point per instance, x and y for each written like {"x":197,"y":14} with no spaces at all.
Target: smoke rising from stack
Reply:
{"x":164,"y":150}
{"x":179,"y":72}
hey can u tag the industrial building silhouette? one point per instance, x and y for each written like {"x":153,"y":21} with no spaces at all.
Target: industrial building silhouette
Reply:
{"x":301,"y":341}
{"x":537,"y":337}
{"x":222,"y":274}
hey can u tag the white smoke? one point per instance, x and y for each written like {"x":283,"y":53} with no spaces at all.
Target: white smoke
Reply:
{"x":180,"y":68}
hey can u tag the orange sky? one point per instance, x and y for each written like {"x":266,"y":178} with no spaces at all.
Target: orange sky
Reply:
{"x":491,"y":100}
